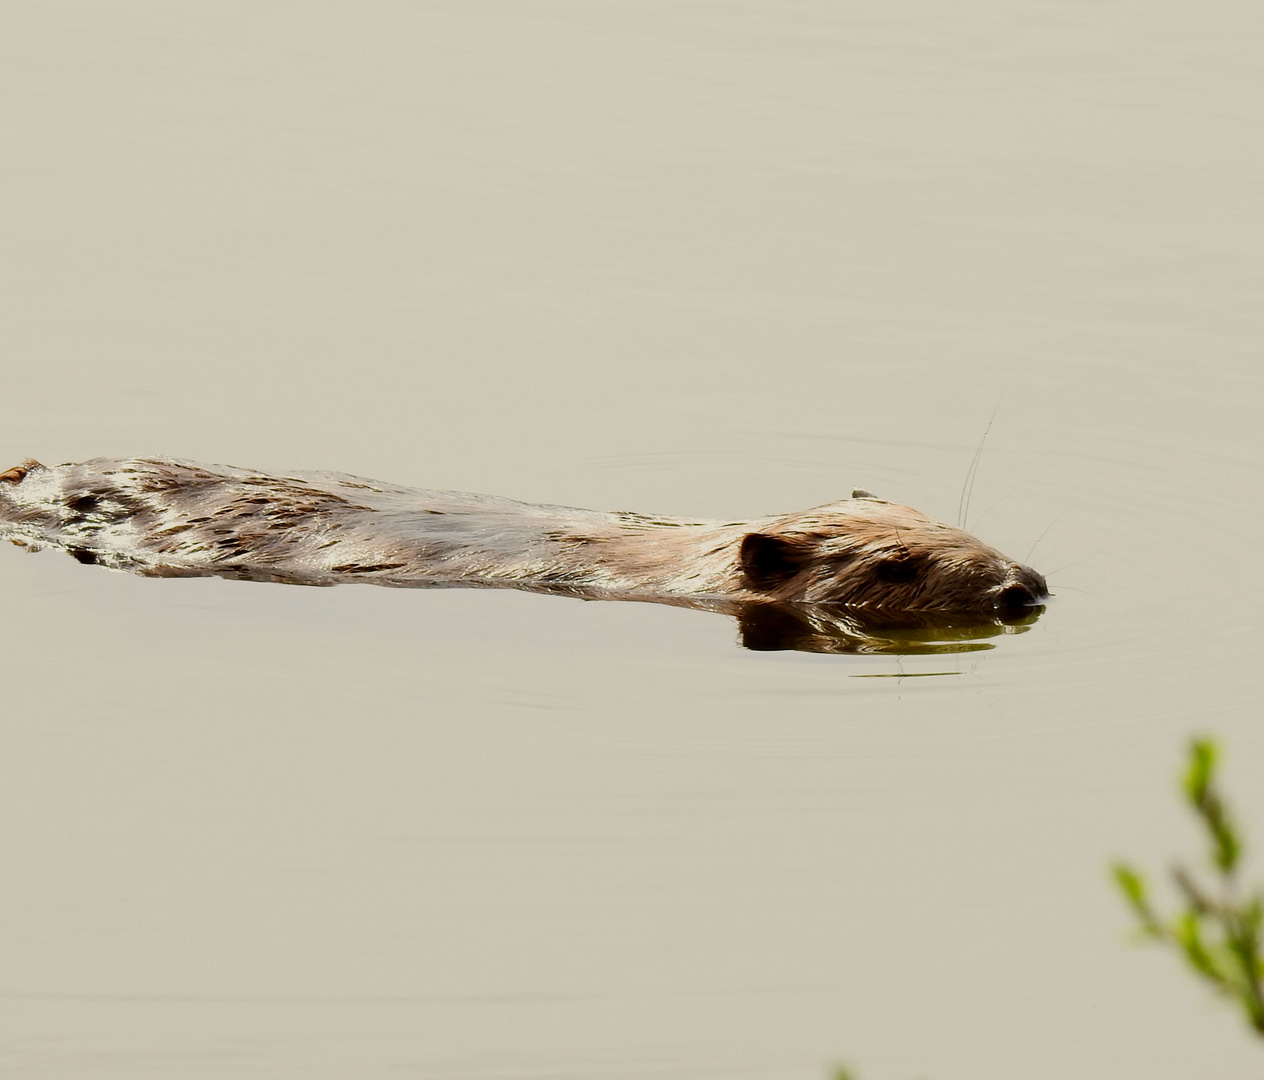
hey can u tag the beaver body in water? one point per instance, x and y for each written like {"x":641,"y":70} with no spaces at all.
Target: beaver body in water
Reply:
{"x":167,"y":518}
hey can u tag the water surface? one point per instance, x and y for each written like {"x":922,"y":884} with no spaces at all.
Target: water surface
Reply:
{"x":705,"y":260}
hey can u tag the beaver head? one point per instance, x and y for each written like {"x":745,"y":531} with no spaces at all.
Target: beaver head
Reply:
{"x":881,"y":557}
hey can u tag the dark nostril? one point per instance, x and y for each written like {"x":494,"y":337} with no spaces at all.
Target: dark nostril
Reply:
{"x":1015,"y":597}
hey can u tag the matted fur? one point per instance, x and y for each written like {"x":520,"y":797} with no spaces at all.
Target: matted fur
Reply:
{"x":162,"y":517}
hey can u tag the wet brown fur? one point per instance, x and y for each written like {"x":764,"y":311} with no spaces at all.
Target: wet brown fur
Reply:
{"x":162,"y":517}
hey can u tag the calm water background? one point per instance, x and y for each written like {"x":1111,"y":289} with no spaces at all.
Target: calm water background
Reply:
{"x":703,"y":259}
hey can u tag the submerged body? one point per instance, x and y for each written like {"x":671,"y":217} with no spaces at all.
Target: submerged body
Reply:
{"x":162,"y":517}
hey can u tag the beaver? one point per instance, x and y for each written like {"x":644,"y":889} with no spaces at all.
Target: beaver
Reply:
{"x":163,"y":517}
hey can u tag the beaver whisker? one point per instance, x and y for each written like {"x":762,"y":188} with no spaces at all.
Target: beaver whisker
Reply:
{"x":1046,"y":532}
{"x":967,"y":488}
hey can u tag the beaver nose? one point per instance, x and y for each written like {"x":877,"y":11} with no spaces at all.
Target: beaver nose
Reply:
{"x":1025,"y":589}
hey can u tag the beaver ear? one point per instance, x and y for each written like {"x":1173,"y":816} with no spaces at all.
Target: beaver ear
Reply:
{"x":769,"y":561}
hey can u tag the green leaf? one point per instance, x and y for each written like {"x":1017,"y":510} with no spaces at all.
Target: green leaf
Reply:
{"x":1131,"y":883}
{"x":1133,"y":887}
{"x":1202,"y":767}
{"x":1228,"y":846}
{"x":1251,"y":922}
{"x":1188,"y":933}
{"x":1253,"y":916}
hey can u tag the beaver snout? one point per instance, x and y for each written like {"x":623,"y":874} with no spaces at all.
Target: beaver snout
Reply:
{"x":1023,"y":591}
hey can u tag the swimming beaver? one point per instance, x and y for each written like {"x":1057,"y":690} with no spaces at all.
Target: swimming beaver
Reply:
{"x":167,"y":518}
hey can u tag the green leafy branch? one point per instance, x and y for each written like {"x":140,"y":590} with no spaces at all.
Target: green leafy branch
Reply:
{"x":1218,"y":931}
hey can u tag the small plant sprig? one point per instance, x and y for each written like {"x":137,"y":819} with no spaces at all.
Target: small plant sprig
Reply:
{"x":1219,"y":929}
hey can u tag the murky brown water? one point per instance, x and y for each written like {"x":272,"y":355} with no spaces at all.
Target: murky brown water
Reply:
{"x":715,"y":259}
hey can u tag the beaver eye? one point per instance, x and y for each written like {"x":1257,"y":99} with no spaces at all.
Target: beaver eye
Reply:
{"x":899,"y":571}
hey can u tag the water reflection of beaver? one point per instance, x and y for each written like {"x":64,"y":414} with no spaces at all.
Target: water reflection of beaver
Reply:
{"x":879,"y":561}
